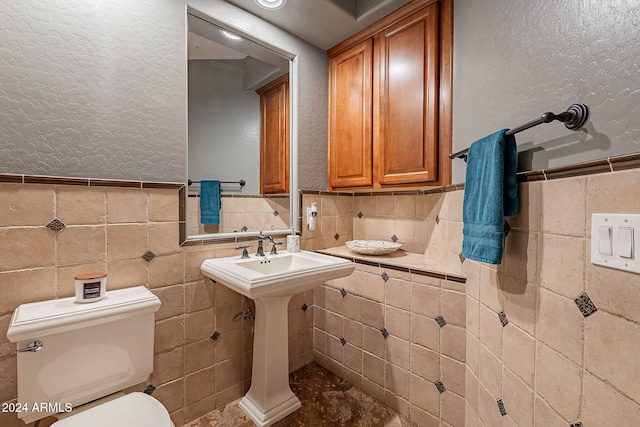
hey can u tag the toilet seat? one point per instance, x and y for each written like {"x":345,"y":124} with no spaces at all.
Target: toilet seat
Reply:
{"x":131,"y":410}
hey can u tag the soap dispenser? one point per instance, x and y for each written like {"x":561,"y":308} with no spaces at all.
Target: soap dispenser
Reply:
{"x":312,"y":213}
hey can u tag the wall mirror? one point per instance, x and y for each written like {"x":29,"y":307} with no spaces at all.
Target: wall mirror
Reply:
{"x":239,"y":134}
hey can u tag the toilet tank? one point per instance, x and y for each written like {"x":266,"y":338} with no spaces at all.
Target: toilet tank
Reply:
{"x":88,"y":350}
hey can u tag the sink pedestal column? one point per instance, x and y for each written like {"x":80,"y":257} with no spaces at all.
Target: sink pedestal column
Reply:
{"x":270,"y":398}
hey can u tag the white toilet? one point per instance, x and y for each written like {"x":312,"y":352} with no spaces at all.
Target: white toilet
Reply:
{"x":70,"y":354}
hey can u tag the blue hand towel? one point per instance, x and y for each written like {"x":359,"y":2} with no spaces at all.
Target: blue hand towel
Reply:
{"x":490,"y":194}
{"x":210,"y":202}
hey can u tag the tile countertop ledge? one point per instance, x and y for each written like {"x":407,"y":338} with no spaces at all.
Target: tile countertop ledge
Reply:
{"x":399,"y":260}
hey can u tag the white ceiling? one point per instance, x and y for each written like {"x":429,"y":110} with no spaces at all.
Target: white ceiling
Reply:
{"x":323,"y":23}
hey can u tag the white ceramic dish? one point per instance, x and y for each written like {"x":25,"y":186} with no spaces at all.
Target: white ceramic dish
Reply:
{"x":373,"y":247}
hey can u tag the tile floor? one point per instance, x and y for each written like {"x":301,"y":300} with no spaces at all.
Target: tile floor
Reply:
{"x":327,"y":400}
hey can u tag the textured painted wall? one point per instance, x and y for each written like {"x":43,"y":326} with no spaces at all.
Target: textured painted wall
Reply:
{"x":98,"y":89}
{"x":93,"y":89}
{"x":516,"y":60}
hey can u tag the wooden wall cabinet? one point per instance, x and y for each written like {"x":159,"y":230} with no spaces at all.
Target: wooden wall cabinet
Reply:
{"x":274,"y":136}
{"x":389,"y":101}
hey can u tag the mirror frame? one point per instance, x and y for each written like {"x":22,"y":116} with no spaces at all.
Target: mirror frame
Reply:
{"x":294,"y":194}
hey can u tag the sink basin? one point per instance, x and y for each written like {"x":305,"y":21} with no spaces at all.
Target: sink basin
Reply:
{"x":271,"y":281}
{"x":284,"y":274}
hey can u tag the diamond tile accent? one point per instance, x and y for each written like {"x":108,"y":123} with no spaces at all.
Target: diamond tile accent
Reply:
{"x":394,"y":238}
{"x":384,"y":332}
{"x":585,"y":304}
{"x":576,"y":424}
{"x":343,"y":341}
{"x":360,"y":214}
{"x":437,"y":219}
{"x":440,"y":320}
{"x":244,"y":228}
{"x":304,"y":307}
{"x":503,"y":410}
{"x":503,"y":318}
{"x":384,"y":276}
{"x":336,"y":236}
{"x":55,"y":225}
{"x":148,"y":256}
{"x":441,"y":388}
{"x":276,"y":213}
{"x":150,"y":388}
{"x":343,"y":292}
{"x":215,"y":335}
{"x":462,"y":258}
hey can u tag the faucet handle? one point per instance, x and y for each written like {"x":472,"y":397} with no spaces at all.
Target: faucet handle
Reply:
{"x":273,"y":247}
{"x":245,"y":254}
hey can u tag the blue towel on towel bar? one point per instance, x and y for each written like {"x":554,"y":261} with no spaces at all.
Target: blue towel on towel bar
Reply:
{"x":210,"y":202}
{"x":490,"y":194}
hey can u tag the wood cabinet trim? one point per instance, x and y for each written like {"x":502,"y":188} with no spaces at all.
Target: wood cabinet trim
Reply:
{"x":389,"y":20}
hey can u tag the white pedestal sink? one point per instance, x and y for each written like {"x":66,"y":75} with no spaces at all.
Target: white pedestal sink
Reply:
{"x":271,"y":281}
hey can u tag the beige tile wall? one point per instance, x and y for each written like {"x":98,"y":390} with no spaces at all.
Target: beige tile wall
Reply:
{"x":108,"y":229}
{"x":550,"y":365}
{"x":410,"y":218}
{"x":335,"y":219}
{"x":401,"y":369}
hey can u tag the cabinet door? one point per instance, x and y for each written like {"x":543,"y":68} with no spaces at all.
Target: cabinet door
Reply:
{"x":274,"y":136}
{"x":350,"y":132}
{"x":405,"y":100}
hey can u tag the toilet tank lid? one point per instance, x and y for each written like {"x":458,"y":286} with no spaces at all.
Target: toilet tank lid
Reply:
{"x":38,"y":319}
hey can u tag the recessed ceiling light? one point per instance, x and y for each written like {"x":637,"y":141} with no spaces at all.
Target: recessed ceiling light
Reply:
{"x":230,"y":35}
{"x":270,"y":4}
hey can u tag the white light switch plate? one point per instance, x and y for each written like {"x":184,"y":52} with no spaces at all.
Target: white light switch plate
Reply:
{"x":624,"y":232}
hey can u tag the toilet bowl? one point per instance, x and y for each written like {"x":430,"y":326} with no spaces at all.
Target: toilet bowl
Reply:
{"x":131,"y":410}
{"x":72,"y":356}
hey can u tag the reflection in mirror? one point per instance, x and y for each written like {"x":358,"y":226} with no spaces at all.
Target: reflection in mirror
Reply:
{"x":238,"y":135}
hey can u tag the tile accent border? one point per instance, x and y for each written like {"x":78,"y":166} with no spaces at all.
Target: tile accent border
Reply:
{"x":86,"y":182}
{"x":411,"y":270}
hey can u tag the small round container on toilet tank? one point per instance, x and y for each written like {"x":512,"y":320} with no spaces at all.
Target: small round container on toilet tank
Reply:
{"x":90,"y":287}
